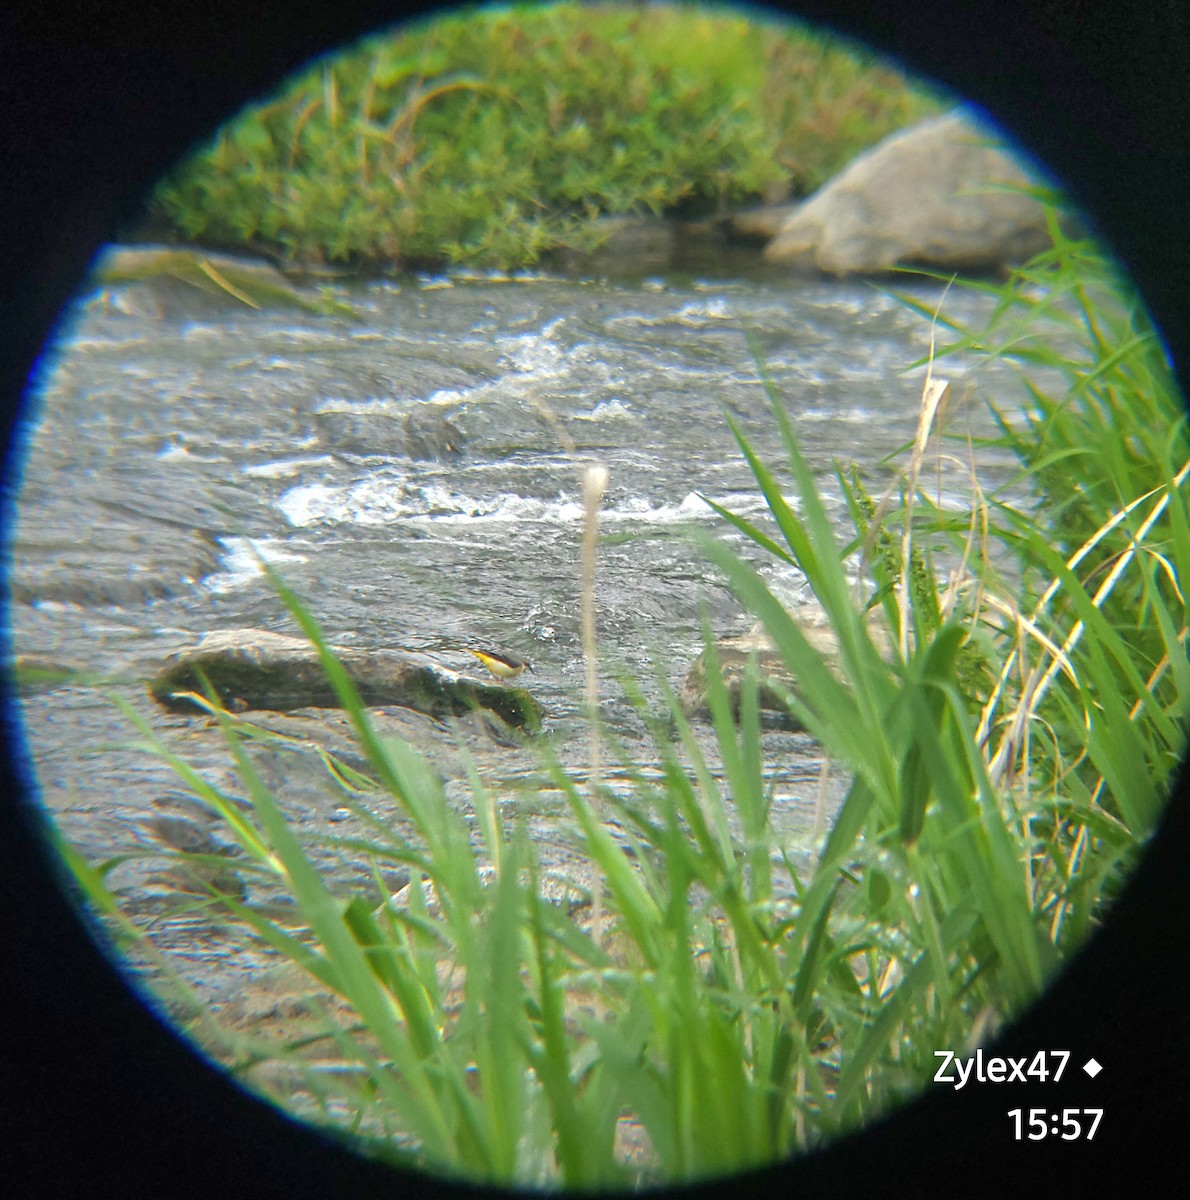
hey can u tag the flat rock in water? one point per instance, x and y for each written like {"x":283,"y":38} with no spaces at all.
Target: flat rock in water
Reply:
{"x":92,"y":532}
{"x":941,"y":194}
{"x":774,"y":682}
{"x":132,"y":563}
{"x":258,"y":669}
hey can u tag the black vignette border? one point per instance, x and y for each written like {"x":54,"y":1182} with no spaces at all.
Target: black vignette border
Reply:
{"x":95,"y":102}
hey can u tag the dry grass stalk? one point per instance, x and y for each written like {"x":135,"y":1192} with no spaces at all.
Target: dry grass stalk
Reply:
{"x":1038,"y":681}
{"x":594,"y":486}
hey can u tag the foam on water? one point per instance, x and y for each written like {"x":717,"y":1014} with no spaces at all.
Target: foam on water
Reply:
{"x":241,"y":561}
{"x":692,"y":315}
{"x":385,"y":499}
{"x":282,"y":468}
{"x":615,"y":409}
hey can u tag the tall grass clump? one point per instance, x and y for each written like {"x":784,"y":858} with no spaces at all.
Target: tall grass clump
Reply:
{"x":1086,"y":720}
{"x":1008,"y":720}
{"x":494,"y":136}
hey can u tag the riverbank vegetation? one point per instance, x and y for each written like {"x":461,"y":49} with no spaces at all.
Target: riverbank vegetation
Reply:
{"x":1009,"y":742}
{"x":497,"y":136}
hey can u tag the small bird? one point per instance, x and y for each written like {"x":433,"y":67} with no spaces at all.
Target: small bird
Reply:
{"x":503,"y":666}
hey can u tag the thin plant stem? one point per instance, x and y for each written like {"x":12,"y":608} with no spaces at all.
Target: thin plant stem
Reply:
{"x":594,"y":486}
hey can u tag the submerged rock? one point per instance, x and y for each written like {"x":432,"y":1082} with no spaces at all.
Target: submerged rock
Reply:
{"x":258,"y":669}
{"x":364,"y":429}
{"x":431,"y":437}
{"x":941,"y":194}
{"x":361,"y":430}
{"x":775,"y":683}
{"x":133,"y":562}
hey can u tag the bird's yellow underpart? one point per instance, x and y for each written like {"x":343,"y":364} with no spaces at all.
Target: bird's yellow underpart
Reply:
{"x":503,"y":666}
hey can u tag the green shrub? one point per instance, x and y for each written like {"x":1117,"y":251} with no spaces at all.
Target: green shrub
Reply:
{"x":495,"y":136}
{"x":1107,"y":449}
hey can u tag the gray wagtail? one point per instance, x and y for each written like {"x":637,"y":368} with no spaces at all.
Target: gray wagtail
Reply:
{"x":503,"y":666}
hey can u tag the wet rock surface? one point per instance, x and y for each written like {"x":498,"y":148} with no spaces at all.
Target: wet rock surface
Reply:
{"x":259,"y":669}
{"x":130,"y":562}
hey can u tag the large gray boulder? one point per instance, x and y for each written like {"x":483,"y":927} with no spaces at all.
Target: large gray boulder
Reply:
{"x":932,"y":196}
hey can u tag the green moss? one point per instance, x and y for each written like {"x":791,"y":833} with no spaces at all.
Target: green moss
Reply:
{"x":441,"y":695}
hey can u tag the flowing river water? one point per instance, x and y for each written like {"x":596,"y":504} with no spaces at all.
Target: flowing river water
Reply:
{"x":168,"y":429}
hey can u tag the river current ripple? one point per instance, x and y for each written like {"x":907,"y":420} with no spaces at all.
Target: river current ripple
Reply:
{"x":167,"y":432}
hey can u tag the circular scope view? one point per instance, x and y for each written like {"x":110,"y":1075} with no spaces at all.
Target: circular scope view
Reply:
{"x":590,"y":585}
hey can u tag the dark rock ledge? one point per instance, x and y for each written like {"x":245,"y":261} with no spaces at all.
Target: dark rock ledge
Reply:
{"x":258,"y":669}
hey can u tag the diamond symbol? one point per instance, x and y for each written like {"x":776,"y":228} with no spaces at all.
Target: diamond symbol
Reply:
{"x":1091,"y":1067}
